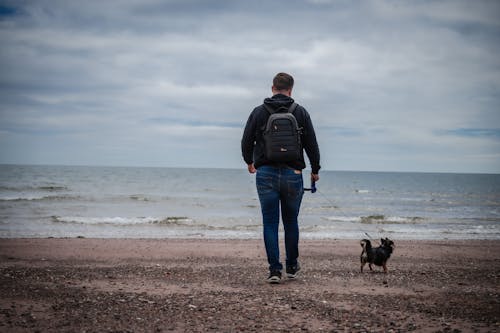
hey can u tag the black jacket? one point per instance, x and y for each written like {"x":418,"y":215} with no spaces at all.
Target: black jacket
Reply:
{"x":252,"y":143}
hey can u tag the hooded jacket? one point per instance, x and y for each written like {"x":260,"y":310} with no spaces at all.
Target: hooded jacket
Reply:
{"x":252,"y":143}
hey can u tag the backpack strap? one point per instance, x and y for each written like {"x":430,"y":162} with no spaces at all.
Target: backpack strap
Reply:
{"x":290,"y":109}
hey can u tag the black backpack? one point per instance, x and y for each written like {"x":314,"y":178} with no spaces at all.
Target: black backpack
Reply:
{"x":282,"y":135}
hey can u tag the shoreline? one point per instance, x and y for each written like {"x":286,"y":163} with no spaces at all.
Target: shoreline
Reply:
{"x":304,"y":236}
{"x":199,"y":285}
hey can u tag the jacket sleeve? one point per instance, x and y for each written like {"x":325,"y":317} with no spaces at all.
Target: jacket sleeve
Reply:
{"x":248,"y":139}
{"x":310,"y":144}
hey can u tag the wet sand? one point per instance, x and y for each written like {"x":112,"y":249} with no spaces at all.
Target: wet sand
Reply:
{"x":125,"y":285}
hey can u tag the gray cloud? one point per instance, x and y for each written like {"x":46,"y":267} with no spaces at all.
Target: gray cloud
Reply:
{"x":390,"y":85}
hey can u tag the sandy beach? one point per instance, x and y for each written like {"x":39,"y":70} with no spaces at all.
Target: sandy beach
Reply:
{"x":166,"y":285}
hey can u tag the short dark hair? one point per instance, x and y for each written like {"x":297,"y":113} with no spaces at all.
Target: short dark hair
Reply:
{"x":283,"y":81}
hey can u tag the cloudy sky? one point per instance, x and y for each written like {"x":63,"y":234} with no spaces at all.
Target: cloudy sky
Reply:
{"x":390,"y":85}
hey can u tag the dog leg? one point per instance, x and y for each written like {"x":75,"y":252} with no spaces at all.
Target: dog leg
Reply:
{"x":384,"y":265}
{"x":371,"y":268}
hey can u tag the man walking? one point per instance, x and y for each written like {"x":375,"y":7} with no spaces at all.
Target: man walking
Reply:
{"x":279,"y":177}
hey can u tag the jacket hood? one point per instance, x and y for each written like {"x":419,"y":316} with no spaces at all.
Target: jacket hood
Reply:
{"x":278,"y":101}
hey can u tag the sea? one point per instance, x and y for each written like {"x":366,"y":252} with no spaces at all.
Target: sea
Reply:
{"x":143,"y":202}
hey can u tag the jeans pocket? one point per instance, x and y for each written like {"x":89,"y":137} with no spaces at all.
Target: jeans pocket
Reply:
{"x":295,"y":187}
{"x":264,"y":183}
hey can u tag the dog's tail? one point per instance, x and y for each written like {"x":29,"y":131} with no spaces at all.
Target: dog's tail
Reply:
{"x":366,"y":245}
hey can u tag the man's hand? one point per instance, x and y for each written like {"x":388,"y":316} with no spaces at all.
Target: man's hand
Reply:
{"x":251,"y":168}
{"x":314,"y":177}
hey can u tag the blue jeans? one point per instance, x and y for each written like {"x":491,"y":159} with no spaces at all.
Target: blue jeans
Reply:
{"x":280,"y":186}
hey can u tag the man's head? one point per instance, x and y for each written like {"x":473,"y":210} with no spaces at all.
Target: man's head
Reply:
{"x":282,"y":84}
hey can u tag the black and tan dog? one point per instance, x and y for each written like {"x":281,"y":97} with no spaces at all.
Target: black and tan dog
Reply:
{"x":376,"y":255}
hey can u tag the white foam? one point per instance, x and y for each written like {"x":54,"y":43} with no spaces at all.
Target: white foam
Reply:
{"x":106,"y":220}
{"x":343,"y":218}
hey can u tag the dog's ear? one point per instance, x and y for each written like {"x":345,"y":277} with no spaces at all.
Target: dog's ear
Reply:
{"x":382,"y":241}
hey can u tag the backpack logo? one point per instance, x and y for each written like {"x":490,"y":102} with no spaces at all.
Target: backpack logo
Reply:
{"x":282,"y":135}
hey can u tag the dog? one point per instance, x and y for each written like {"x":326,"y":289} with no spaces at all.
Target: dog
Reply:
{"x":378,"y":255}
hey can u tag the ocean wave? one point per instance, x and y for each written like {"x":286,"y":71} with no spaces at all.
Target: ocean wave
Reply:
{"x":377,"y":219}
{"x":122,"y":221}
{"x":34,"y":197}
{"x":181,"y":222}
{"x":52,"y":188}
{"x":139,"y":197}
{"x":382,"y":219}
{"x":474,"y":230}
{"x":178,"y":220}
{"x":342,"y":219}
{"x":47,"y":188}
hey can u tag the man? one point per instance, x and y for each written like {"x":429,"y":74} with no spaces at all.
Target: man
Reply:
{"x":280,"y":183}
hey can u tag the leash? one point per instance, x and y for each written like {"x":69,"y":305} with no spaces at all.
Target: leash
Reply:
{"x":314,"y":189}
{"x":372,"y":239}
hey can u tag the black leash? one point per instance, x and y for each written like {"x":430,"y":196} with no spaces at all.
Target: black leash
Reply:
{"x":373,"y":240}
{"x":313,"y":189}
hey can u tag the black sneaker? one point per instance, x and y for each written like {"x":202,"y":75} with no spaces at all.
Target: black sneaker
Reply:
{"x":291,"y":271}
{"x":274,"y":277}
